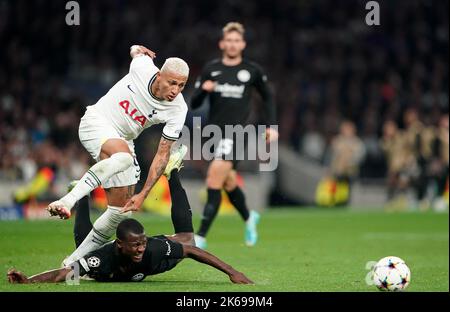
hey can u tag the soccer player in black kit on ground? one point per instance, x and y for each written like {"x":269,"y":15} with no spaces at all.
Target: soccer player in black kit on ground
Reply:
{"x":228,"y":83}
{"x":133,"y":255}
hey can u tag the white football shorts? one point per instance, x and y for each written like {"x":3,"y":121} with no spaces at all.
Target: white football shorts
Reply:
{"x":95,"y":130}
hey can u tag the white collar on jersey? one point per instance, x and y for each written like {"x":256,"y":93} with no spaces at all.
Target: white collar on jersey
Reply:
{"x":150,"y":89}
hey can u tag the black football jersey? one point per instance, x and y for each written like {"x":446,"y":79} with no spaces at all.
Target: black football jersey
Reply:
{"x":107,"y":265}
{"x":230,"y":100}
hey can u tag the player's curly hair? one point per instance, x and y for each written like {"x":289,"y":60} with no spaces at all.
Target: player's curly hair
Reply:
{"x":128,"y":226}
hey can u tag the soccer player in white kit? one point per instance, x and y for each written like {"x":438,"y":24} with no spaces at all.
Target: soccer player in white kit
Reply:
{"x":144,"y":97}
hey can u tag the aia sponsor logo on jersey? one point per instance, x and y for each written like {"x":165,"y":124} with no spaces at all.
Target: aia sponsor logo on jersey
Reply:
{"x":132,"y":112}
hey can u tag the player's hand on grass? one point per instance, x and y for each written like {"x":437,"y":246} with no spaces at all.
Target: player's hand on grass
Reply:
{"x":239,"y":278}
{"x":208,"y":86}
{"x":139,"y":49}
{"x":271,"y":135}
{"x":16,"y":277}
{"x":134,"y":203}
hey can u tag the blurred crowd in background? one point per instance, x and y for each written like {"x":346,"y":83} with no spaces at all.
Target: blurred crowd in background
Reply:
{"x":367,"y":101}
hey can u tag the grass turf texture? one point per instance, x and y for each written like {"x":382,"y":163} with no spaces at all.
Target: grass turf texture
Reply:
{"x":299,"y":250}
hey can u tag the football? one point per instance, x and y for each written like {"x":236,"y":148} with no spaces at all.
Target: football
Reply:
{"x":391,"y":274}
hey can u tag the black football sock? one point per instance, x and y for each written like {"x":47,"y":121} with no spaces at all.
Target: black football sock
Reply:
{"x":82,"y":225}
{"x":181,"y":211}
{"x":210,"y":211}
{"x":237,"y":198}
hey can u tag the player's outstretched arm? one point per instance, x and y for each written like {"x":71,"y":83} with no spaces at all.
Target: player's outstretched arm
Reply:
{"x":209,"y":259}
{"x":53,"y":276}
{"x":157,"y":167}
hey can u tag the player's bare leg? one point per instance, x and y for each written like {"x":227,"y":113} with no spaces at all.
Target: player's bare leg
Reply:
{"x":115,"y":157}
{"x":218,"y":171}
{"x":237,"y":198}
{"x":231,"y":181}
{"x":217,"y":174}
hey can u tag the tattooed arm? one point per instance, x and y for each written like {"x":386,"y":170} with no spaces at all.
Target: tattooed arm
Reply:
{"x":156,"y":170}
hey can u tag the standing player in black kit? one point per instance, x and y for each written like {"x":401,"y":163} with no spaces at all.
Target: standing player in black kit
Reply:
{"x":228,"y":83}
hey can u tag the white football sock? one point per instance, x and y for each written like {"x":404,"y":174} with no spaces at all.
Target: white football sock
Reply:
{"x":103,"y":229}
{"x":96,"y":175}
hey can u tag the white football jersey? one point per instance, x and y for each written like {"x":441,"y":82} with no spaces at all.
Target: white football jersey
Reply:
{"x":131,"y":107}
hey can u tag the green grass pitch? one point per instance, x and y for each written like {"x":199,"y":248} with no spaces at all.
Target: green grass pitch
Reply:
{"x":298,"y":250}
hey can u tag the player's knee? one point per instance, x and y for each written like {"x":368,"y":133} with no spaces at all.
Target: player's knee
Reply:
{"x":118,"y":196}
{"x":229,"y":188}
{"x":231,"y":181}
{"x":230,"y":184}
{"x":124,"y":160}
{"x":213,"y":183}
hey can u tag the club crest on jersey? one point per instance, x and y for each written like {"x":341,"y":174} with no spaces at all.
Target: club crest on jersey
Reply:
{"x":243,"y":75}
{"x":132,"y":112}
{"x":154,"y":112}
